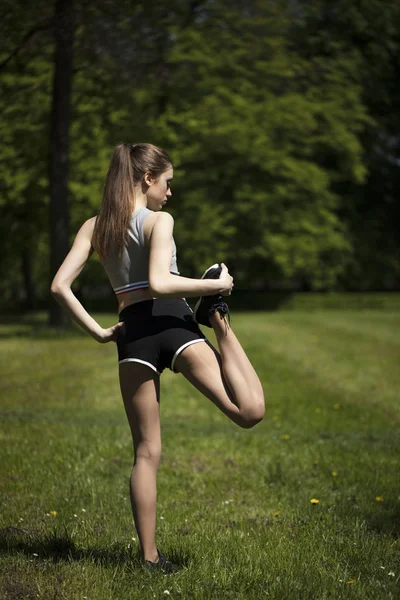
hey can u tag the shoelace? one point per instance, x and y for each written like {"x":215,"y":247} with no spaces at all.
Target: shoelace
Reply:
{"x":222,"y":308}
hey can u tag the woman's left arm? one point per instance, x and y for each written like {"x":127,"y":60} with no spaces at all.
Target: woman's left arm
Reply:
{"x":73,"y":264}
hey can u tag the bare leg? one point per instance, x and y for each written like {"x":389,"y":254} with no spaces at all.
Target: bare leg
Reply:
{"x":228,"y":378}
{"x":141,"y":393}
{"x":238,"y":371}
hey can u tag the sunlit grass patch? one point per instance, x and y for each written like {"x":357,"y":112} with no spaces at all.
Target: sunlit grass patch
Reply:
{"x":304,"y":505}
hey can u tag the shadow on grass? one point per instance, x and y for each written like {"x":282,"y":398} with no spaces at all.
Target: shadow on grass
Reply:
{"x":385,"y":521}
{"x":60,"y":547}
{"x":386,"y":524}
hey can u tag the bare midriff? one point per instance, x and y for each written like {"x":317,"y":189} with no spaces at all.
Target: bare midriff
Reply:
{"x":129,"y":298}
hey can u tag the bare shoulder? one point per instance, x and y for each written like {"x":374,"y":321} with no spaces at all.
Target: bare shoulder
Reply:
{"x":88,"y":227}
{"x":160,"y":220}
{"x":164,"y":220}
{"x":90,"y":223}
{"x":85,"y":233}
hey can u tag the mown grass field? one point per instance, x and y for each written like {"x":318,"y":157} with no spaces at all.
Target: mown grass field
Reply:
{"x":234,"y":506}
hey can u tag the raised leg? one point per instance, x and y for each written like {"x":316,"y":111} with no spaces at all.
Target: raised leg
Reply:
{"x":227,"y":377}
{"x":140,"y":388}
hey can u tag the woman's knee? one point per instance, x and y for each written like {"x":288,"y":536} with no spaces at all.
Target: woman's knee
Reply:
{"x":252,"y":415}
{"x":247,"y":422}
{"x":148,"y":451}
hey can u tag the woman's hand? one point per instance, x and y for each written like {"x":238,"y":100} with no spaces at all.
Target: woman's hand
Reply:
{"x":226,"y":281}
{"x":110,"y":334}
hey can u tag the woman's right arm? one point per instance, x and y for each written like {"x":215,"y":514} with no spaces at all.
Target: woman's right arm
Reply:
{"x":67,"y":273}
{"x":165,"y":285}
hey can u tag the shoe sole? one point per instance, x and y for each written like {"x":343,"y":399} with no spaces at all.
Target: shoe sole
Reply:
{"x":209,"y":269}
{"x":199,"y":301}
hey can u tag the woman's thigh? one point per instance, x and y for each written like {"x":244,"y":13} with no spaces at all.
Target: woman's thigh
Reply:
{"x":140,"y":389}
{"x":201,"y":364}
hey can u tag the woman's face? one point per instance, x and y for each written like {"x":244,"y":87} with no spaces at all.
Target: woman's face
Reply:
{"x":159,"y":190}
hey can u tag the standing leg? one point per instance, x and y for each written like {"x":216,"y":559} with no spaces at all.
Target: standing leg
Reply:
{"x":140,"y":388}
{"x":227,"y":378}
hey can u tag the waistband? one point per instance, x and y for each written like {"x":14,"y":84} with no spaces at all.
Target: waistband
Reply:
{"x":136,"y":307}
{"x":145,"y":307}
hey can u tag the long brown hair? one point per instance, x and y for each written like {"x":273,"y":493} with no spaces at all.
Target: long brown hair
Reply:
{"x":129,"y":163}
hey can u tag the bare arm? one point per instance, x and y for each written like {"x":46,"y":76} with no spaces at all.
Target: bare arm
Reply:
{"x":61,"y":286}
{"x":162,"y":283}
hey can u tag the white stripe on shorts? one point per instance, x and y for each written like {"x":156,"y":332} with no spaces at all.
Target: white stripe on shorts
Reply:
{"x":182,"y":348}
{"x":143,"y":362}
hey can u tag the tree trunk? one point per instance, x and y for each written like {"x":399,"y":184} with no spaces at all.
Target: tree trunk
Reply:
{"x":59,"y":140}
{"x":29,"y":285}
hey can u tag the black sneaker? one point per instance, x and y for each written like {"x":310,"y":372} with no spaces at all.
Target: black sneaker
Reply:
{"x":208,"y":305}
{"x":163,"y":564}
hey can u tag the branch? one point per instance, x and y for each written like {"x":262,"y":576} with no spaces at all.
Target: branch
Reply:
{"x":26,"y":39}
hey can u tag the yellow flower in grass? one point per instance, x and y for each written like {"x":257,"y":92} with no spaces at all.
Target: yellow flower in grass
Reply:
{"x":379,"y":499}
{"x":277,"y":513}
{"x":53,"y":513}
{"x":334,"y":474}
{"x":336,"y":406}
{"x":351,"y":581}
{"x":314,"y":501}
{"x":286,"y":437}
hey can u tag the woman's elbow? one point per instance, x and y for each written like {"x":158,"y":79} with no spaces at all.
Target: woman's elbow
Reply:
{"x":154,"y":291}
{"x":156,"y":288}
{"x":56,"y":288}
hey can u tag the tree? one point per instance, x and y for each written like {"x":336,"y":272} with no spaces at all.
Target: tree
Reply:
{"x":25,"y":84}
{"x":64,"y":27}
{"x":368,"y":30}
{"x":262,"y":137}
{"x":281,"y":119}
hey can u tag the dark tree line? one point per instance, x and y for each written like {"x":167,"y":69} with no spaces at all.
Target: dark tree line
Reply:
{"x":282,"y":119}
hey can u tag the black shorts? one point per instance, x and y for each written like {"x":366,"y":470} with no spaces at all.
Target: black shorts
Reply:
{"x":156,"y":331}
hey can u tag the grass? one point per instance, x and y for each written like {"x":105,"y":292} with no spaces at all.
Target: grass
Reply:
{"x":234,"y":506}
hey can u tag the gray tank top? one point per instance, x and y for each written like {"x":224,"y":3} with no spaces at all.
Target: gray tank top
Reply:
{"x":131,"y":271}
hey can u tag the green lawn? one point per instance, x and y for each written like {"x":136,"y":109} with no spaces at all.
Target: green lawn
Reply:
{"x":234,"y":505}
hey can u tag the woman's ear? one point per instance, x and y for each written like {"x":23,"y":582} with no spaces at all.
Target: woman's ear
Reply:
{"x":148,"y":179}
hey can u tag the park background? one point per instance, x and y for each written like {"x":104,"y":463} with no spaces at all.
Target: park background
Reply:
{"x":282,"y":119}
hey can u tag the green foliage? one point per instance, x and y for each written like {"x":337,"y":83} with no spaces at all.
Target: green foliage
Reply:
{"x":281,"y":120}
{"x":25,"y":91}
{"x":369,"y":32}
{"x":272,"y":134}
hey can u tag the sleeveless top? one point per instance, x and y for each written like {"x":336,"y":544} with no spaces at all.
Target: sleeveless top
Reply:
{"x":131,"y":271}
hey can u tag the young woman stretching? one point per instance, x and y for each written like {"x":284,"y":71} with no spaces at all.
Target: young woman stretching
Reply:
{"x":133,"y":237}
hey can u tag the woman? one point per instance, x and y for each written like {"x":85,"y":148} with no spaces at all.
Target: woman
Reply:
{"x":134,"y":239}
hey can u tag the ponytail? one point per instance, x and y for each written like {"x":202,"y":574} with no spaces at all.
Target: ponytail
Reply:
{"x":129,"y":163}
{"x":117,"y":205}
